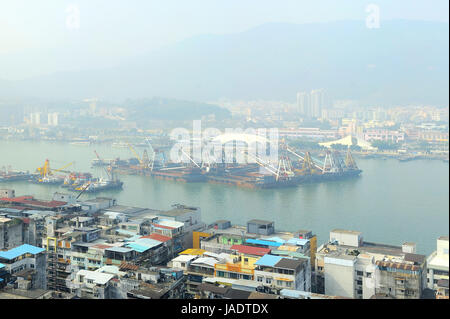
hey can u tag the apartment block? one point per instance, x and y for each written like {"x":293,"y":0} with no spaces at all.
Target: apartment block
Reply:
{"x":348,"y":266}
{"x":438,"y":268}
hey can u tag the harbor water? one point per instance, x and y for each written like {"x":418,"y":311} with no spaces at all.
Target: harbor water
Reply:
{"x":392,"y":202}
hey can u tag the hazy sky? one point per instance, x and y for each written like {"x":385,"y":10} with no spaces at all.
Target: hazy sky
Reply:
{"x":38,"y":37}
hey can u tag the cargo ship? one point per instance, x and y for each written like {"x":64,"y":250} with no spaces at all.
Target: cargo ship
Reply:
{"x":14,"y":176}
{"x":183,"y":174}
{"x":76,"y":179}
{"x":98,"y":185}
{"x":48,"y":180}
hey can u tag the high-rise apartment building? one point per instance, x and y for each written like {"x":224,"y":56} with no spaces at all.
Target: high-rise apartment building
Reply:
{"x":311,"y":104}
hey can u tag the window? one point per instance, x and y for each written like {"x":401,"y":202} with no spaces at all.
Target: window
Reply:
{"x":359,"y":282}
{"x":369,"y":275}
{"x":268,"y":280}
{"x":260,"y":279}
{"x":245,"y":260}
{"x":280,"y":282}
{"x":359,"y":273}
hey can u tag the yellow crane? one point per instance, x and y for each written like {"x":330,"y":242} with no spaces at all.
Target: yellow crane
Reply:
{"x":135,"y":153}
{"x":45,"y":170}
{"x":144,"y":161}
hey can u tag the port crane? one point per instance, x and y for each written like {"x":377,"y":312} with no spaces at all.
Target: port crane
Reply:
{"x":189,"y":157}
{"x":305,"y":157}
{"x":45,"y":170}
{"x":144,"y":161}
{"x":349,"y":161}
{"x":109,"y":170}
{"x":267,"y":166}
{"x":86,"y":186}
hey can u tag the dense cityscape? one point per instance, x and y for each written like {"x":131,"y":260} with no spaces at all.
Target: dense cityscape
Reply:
{"x":224,"y":155}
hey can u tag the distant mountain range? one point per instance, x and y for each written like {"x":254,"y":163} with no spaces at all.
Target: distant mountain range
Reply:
{"x":402,"y":62}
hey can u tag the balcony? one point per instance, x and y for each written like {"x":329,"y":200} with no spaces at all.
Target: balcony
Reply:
{"x":237,"y":268}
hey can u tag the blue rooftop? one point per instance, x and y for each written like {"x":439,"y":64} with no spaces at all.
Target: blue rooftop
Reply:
{"x":138,"y":248}
{"x":19,"y":251}
{"x":263,"y":242}
{"x":143,"y":244}
{"x":276,"y":239}
{"x":2,"y":266}
{"x":268,"y":260}
{"x":148,"y":242}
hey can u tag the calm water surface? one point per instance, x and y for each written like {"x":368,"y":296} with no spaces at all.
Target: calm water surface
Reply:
{"x":392,"y":202}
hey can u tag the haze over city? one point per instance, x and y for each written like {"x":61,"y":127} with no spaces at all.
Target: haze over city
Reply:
{"x":224,"y":150}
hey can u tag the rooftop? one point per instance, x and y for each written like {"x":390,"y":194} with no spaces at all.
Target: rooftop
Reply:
{"x":250,"y":250}
{"x":345,"y":231}
{"x":268,"y":260}
{"x":178,"y":211}
{"x":263,"y":242}
{"x":19,"y":251}
{"x":260,"y":222}
{"x":98,"y":277}
{"x":292,"y":264}
{"x":184,"y":258}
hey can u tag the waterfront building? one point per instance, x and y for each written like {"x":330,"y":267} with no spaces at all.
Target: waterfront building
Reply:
{"x":438,"y":268}
{"x":384,"y":135}
{"x":276,"y":273}
{"x":350,"y":267}
{"x":311,"y":133}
